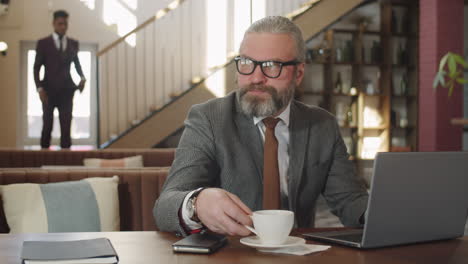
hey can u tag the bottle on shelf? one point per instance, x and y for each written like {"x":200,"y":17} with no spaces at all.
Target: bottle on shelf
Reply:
{"x":339,"y":53}
{"x":396,"y":85}
{"x":338,"y":87}
{"x":369,"y":88}
{"x":376,"y":54}
{"x":363,"y":53}
{"x":393,"y":120}
{"x":310,"y":55}
{"x":403,"y":121}
{"x":405,"y":20}
{"x":397,"y":60}
{"x":345,"y":88}
{"x":348,"y":54}
{"x":404,"y":84}
{"x":395,"y":28}
{"x":340,"y":113}
{"x":350,"y":116}
{"x":402,"y":55}
{"x":354,"y":138}
{"x":323,"y":52}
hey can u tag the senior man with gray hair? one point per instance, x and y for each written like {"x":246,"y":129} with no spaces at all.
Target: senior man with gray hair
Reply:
{"x":257,"y":148}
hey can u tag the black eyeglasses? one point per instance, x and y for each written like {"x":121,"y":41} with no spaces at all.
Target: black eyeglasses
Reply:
{"x":271,"y":69}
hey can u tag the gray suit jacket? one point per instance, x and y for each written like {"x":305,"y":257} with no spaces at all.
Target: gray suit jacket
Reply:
{"x":222,"y":147}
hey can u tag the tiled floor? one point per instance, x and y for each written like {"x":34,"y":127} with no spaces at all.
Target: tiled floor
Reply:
{"x":324,"y":218}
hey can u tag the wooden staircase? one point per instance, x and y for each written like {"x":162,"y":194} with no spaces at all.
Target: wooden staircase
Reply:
{"x":163,"y":120}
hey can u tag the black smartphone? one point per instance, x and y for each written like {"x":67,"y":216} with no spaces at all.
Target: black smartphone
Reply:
{"x":200,"y":243}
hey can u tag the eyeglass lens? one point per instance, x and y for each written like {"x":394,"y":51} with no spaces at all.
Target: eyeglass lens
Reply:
{"x":271,"y":69}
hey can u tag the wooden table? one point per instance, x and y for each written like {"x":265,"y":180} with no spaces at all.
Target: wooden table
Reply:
{"x":155,"y":247}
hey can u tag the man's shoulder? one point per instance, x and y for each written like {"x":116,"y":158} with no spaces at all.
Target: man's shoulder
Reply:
{"x":72,"y":40}
{"x":217,"y":104}
{"x":312,"y":111}
{"x":45,"y":39}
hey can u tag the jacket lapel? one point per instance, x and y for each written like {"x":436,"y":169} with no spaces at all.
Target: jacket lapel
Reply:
{"x":299,"y":140}
{"x":250,"y":137}
{"x":51,"y":45}
{"x":54,"y":49}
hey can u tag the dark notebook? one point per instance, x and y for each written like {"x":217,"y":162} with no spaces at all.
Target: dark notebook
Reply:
{"x":99,"y":250}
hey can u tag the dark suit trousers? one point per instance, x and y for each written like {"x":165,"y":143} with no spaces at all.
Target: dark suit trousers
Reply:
{"x":64,"y":104}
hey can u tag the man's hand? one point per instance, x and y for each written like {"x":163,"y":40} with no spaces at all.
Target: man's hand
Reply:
{"x":43,"y":96}
{"x":223,"y":212}
{"x":81,"y":85}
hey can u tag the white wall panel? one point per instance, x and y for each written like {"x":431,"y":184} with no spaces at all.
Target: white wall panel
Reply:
{"x":196,"y":38}
{"x":140,"y":76}
{"x":158,"y":66}
{"x":175,"y":52}
{"x":112,"y":92}
{"x":165,"y":42}
{"x":149,"y":69}
{"x":186,"y":43}
{"x":121,"y":88}
{"x":170,"y":47}
{"x":131,"y":82}
{"x":103,"y":98}
{"x":179,"y":69}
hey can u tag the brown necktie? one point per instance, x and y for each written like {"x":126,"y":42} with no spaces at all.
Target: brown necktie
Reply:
{"x":271,"y":184}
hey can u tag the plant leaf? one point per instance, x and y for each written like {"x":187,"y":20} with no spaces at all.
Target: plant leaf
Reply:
{"x":439,"y":79}
{"x":452,"y":66}
{"x":450,"y":84}
{"x":459,"y":59}
{"x":443,"y":61}
{"x":461,"y":81}
{"x":450,"y":89}
{"x":454,"y":75}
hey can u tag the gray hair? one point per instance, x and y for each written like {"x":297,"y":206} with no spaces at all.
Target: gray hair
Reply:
{"x":280,"y":25}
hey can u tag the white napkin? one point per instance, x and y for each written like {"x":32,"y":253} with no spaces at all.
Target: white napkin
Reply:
{"x":298,"y":250}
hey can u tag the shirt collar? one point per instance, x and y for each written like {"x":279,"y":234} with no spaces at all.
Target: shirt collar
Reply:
{"x":284,"y":116}
{"x":56,"y":36}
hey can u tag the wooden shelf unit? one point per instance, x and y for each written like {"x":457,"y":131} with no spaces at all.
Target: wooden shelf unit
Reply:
{"x":395,"y":124}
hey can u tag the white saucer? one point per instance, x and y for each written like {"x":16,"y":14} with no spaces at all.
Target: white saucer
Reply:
{"x":254,"y":241}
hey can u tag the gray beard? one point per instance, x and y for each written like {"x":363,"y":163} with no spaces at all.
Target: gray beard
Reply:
{"x":259,"y":107}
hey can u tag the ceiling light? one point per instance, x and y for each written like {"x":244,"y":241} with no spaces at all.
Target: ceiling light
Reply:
{"x":3,"y":48}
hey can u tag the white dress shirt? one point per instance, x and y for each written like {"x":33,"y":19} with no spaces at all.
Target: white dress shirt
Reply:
{"x":282,"y":135}
{"x":56,"y":38}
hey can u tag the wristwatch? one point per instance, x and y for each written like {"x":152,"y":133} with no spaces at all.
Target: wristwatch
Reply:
{"x":191,"y":209}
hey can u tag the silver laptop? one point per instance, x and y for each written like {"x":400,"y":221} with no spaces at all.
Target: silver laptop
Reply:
{"x":414,"y":197}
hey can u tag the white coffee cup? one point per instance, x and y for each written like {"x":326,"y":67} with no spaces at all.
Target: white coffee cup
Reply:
{"x":272,"y":226}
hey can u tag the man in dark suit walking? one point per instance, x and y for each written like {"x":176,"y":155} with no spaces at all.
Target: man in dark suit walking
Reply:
{"x":56,"y":53}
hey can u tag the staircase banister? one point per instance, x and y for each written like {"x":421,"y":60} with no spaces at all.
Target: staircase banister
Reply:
{"x":160,"y":14}
{"x":200,"y":83}
{"x":301,"y":17}
{"x":304,"y":7}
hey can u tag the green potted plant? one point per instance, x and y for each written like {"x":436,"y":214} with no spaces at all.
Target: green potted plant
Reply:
{"x":455,"y":64}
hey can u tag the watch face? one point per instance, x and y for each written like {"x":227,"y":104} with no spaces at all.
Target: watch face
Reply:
{"x":190,"y":207}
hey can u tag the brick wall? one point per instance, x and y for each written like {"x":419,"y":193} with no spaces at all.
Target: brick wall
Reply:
{"x":441,"y":30}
